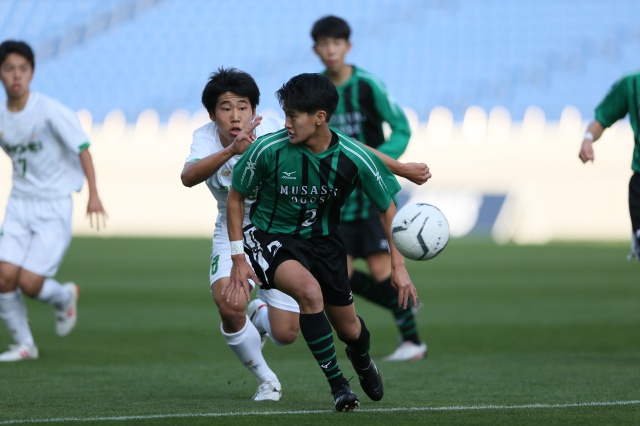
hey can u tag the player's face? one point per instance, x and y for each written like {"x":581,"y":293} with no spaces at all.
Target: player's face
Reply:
{"x":16,"y":74}
{"x":300,"y":126}
{"x":332,"y":52}
{"x":232,"y":114}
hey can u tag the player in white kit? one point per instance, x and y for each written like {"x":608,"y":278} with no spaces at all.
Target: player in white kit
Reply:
{"x":231,"y":97}
{"x":50,"y":156}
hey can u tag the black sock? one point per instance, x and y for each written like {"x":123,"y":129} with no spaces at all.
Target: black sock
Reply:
{"x":318,"y":334}
{"x":383,"y":294}
{"x":359,"y":348}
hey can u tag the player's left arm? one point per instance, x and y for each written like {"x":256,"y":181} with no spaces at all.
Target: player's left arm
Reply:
{"x":417,"y":173}
{"x":94,"y":205}
{"x":400,"y":278}
{"x":392,"y":113}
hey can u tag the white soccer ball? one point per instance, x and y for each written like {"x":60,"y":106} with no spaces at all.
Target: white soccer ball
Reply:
{"x":420,"y":231}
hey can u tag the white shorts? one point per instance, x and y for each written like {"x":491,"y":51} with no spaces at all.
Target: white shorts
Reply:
{"x":220,"y":267}
{"x":36,"y":233}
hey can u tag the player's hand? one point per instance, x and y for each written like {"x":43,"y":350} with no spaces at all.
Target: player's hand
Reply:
{"x":586,"y":151}
{"x":401,"y":281}
{"x":241,"y":273}
{"x":246,"y":137}
{"x":94,"y":208}
{"x":417,"y":173}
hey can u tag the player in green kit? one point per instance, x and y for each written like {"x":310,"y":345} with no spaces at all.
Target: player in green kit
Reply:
{"x":364,"y":106}
{"x":303,"y":175}
{"x":622,"y":99}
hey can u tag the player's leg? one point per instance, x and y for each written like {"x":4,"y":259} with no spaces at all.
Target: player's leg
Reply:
{"x":13,"y":312}
{"x":634,"y":212}
{"x":243,"y":339}
{"x":51,"y":229}
{"x":278,"y":316}
{"x":15,"y":239}
{"x":352,"y":330}
{"x":331,"y":271}
{"x":295,"y":279}
{"x":368,"y":240}
{"x":237,"y":331}
{"x":379,"y":290}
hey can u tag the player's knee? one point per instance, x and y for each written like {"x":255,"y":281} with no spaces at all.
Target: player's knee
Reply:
{"x":7,"y":285}
{"x":232,"y":316}
{"x":285,"y":337}
{"x":8,"y":278}
{"x":30,"y":284}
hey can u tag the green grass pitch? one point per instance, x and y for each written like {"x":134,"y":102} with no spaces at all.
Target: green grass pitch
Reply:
{"x":517,"y":335}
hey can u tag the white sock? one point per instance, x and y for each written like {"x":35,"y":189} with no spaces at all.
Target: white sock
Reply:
{"x":245,"y":344}
{"x":54,"y":294}
{"x":14,"y":313}
{"x":261,"y":321}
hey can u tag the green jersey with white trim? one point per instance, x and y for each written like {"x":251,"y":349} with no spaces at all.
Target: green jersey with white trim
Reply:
{"x":301,"y":193}
{"x":364,"y":105}
{"x":623,"y":99}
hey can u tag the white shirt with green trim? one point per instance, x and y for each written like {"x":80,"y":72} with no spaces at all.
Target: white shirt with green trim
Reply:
{"x":206,"y":141}
{"x":44,"y":141}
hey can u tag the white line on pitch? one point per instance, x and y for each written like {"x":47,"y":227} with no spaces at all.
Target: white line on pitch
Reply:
{"x":280,"y":413}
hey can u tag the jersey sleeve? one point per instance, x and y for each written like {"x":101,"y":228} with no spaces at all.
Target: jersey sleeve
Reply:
{"x":377,"y":181}
{"x":614,"y":106}
{"x":391,"y":112}
{"x":248,"y":171}
{"x":201,"y":145}
{"x":65,"y":124}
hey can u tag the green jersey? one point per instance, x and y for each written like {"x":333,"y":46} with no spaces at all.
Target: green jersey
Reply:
{"x":301,"y":193}
{"x":623,"y":99}
{"x":364,"y":105}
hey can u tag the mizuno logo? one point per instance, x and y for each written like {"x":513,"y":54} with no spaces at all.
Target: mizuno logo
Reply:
{"x":324,"y":366}
{"x":288,"y":175}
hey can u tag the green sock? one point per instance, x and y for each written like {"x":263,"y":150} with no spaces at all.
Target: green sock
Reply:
{"x":317,"y":332}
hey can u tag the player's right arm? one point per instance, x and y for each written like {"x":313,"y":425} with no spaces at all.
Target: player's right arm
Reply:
{"x":195,"y":172}
{"x":241,"y":271}
{"x":613,"y":107}
{"x":593,"y":133}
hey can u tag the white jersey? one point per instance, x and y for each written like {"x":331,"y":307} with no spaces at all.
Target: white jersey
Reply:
{"x":206,"y":141}
{"x":44,"y":141}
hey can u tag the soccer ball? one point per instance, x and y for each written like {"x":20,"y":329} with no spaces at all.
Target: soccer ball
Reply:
{"x":420,"y":231}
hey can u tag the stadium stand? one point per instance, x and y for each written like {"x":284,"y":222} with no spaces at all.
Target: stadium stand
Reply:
{"x":134,"y":55}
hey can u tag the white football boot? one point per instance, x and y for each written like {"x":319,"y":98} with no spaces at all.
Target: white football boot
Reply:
{"x":67,"y":316}
{"x":19,"y":352}
{"x":268,"y":390}
{"x":408,"y":351}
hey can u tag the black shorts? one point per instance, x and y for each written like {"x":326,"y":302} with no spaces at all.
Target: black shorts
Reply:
{"x":325,"y":257}
{"x":364,"y":237}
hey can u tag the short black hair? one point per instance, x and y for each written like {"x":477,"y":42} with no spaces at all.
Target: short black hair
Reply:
{"x":19,"y":47}
{"x":229,"y":80}
{"x":309,"y":93}
{"x":330,"y":26}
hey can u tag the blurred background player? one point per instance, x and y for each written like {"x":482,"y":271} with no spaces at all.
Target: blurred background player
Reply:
{"x":622,"y":99}
{"x":303,"y":174}
{"x":50,"y":156}
{"x":231,"y":97}
{"x":364,"y":106}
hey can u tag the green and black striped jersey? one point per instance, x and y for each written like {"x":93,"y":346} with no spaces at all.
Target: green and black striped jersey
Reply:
{"x":623,"y":99}
{"x":301,"y":193}
{"x":364,"y":105}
